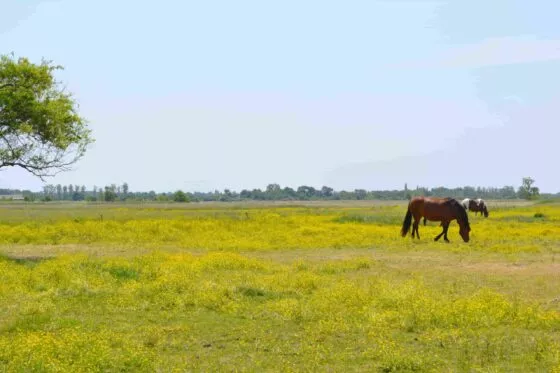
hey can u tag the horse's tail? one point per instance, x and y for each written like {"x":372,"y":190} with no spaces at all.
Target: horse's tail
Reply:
{"x":407,"y":221}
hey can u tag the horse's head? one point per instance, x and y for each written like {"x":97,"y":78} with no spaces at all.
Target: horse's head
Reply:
{"x":484,"y":210}
{"x":463,"y":220}
{"x":482,"y":207}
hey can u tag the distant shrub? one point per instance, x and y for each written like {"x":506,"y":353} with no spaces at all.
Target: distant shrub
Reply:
{"x":180,"y":196}
{"x":110,"y":196}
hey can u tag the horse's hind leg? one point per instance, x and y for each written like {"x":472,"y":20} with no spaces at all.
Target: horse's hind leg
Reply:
{"x":415,"y":228}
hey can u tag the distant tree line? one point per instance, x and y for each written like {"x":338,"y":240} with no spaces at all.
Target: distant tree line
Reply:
{"x":274,"y":192}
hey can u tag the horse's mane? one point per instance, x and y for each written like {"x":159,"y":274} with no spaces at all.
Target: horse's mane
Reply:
{"x":460,"y":211}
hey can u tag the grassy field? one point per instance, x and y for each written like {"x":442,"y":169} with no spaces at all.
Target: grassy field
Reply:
{"x":325,"y":286}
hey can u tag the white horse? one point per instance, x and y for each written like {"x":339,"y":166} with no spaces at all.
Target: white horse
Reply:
{"x":475,"y":206}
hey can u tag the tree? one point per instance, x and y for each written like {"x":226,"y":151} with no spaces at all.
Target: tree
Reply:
{"x":273,"y":188}
{"x":162,"y":197}
{"x":110,"y":195}
{"x":360,"y":193}
{"x":77,"y":196}
{"x":246,"y":194}
{"x":327,"y":191}
{"x":49,"y":190}
{"x":125,"y":190}
{"x":305,"y":192}
{"x":273,"y":192}
{"x":407,"y":194}
{"x":527,"y":190}
{"x":180,"y":196}
{"x":40,"y":129}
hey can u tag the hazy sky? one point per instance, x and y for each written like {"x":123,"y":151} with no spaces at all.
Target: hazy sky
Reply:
{"x":203,"y":95}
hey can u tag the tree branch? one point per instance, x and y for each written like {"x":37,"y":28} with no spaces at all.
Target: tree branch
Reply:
{"x":5,"y":85}
{"x":40,"y":171}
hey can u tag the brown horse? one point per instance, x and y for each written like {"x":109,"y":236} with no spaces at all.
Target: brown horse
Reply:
{"x":475,"y":205}
{"x":444,"y":210}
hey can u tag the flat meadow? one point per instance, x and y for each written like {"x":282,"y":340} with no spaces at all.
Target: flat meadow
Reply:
{"x":257,"y":287}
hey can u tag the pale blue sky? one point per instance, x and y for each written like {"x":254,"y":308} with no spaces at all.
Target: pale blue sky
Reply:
{"x":210,"y":95}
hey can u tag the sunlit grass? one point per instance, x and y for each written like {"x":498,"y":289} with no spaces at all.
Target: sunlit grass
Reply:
{"x":508,"y":230}
{"x":327,"y":288}
{"x":223,"y":310}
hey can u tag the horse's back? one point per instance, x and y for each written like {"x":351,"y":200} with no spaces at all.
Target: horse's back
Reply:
{"x":433,"y":208}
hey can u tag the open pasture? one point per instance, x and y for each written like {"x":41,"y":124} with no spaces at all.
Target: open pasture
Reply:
{"x":327,"y":286}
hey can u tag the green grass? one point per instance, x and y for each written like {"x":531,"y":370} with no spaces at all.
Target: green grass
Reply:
{"x":394,"y":305}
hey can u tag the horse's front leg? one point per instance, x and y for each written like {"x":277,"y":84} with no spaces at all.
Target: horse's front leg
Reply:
{"x":443,"y":233}
{"x":445,"y":228}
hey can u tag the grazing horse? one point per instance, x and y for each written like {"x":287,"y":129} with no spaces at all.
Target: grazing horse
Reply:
{"x":444,"y":210}
{"x":476,"y":206}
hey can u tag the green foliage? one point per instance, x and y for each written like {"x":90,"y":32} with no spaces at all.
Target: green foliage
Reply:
{"x":110,"y":195}
{"x":527,"y":190}
{"x":125,"y":191}
{"x":180,"y":196}
{"x":40,"y":129}
{"x":124,"y":273}
{"x":274,"y":192}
